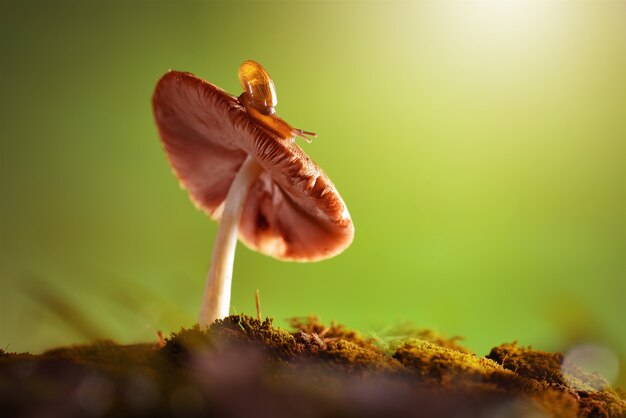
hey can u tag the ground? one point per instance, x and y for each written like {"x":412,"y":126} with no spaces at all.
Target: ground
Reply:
{"x":244,"y":367}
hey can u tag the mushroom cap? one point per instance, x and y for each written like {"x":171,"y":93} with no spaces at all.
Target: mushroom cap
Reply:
{"x":293,"y":211}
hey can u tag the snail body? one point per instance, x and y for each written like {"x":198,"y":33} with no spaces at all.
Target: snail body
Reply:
{"x":259,"y":99}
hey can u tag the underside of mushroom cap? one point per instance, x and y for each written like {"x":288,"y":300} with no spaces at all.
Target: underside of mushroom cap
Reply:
{"x":293,"y":211}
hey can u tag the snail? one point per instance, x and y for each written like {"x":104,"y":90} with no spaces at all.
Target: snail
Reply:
{"x":259,"y":99}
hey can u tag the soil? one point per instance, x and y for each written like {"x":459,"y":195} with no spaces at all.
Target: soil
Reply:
{"x":243,"y":367}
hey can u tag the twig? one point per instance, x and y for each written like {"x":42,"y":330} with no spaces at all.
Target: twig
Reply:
{"x":258,"y":305}
{"x":160,"y":339}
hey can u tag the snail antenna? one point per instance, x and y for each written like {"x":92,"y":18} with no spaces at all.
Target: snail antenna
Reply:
{"x":303,"y":134}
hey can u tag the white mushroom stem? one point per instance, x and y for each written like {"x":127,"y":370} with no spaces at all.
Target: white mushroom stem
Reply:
{"x":216,"y":299}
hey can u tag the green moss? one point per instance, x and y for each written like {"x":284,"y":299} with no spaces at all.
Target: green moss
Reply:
{"x":448,"y":367}
{"x":106,"y":353}
{"x":235,"y":329}
{"x":390,"y":337}
{"x":604,"y":403}
{"x":316,"y":356}
{"x":242,"y":328}
{"x":352,"y":356}
{"x":532,"y":364}
{"x":433,"y":359}
{"x":557,"y":403}
{"x":179,"y":346}
{"x":431,"y":336}
{"x":594,"y":396}
{"x":313,"y":326}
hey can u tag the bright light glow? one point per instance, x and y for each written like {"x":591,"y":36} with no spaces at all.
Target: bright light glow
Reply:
{"x":594,"y":359}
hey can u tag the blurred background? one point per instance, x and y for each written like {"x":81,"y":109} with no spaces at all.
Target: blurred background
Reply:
{"x":480,"y":147}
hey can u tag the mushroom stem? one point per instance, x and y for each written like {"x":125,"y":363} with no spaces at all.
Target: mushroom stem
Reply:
{"x":216,"y":299}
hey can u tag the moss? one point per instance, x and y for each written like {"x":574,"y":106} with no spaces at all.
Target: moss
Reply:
{"x":312,"y":325}
{"x":309,"y":344}
{"x":594,"y":396}
{"x":179,"y":346}
{"x":405,"y":332}
{"x":108,"y":357}
{"x":556,"y":403}
{"x":328,"y":369}
{"x":529,"y":363}
{"x":431,"y":336}
{"x":448,"y":367}
{"x":354,"y":357}
{"x":235,"y":329}
{"x":243,"y":328}
{"x":106,"y":353}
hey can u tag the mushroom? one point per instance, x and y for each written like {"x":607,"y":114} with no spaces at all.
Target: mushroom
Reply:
{"x":240,"y":163}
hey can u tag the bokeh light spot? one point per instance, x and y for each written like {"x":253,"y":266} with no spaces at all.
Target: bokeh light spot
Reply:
{"x":591,"y":358}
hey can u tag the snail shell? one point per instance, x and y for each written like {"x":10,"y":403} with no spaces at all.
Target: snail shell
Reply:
{"x":259,"y":99}
{"x":258,"y":86}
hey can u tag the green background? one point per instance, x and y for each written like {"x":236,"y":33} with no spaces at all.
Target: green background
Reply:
{"x":479,"y":147}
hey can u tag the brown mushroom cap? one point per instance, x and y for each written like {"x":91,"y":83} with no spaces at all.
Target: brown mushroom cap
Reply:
{"x":293,"y":211}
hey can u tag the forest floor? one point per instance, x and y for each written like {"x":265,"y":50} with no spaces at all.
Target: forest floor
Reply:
{"x":243,"y":367}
